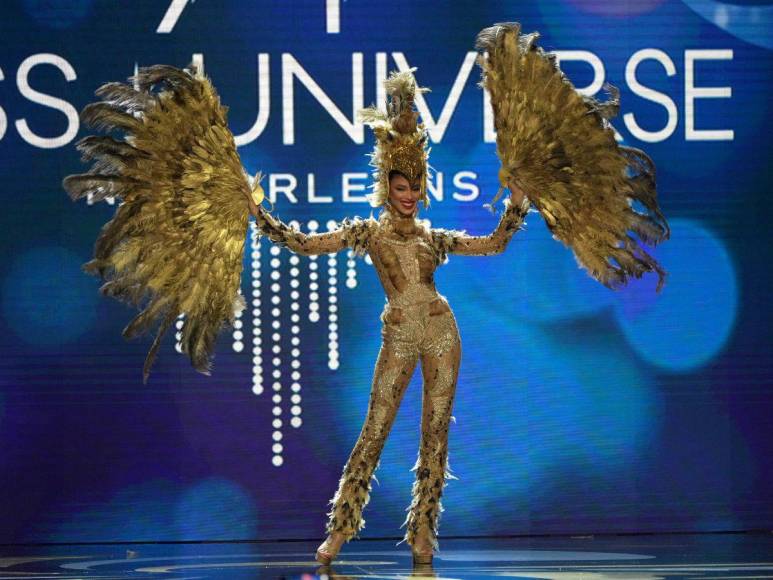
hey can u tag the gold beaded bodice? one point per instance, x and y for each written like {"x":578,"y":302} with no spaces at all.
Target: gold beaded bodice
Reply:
{"x":402,"y":253}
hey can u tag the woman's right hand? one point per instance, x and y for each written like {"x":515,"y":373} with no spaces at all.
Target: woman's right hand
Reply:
{"x":516,"y":193}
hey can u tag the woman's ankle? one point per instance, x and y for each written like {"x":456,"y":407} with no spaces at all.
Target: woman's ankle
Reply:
{"x":423,"y":541}
{"x":336,"y":537}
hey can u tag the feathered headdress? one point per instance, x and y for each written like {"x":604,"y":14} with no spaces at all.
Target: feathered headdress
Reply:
{"x":401,"y":141}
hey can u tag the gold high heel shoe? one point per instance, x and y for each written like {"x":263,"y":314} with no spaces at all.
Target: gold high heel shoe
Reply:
{"x":328,"y":549}
{"x":422,"y":552}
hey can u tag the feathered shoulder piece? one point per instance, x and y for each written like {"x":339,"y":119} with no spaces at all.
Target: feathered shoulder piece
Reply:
{"x":558,"y":146}
{"x":175,"y":245}
{"x":401,"y":140}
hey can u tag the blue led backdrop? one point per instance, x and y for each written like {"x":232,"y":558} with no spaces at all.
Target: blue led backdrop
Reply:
{"x":578,"y":409}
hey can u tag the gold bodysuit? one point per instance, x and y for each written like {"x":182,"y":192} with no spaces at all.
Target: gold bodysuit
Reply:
{"x":416,"y":324}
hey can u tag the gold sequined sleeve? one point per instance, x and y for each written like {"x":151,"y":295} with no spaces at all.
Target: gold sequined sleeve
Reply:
{"x":351,"y":233}
{"x":460,"y":242}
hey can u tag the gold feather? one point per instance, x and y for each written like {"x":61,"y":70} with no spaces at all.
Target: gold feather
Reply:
{"x":558,"y":146}
{"x":176,"y":242}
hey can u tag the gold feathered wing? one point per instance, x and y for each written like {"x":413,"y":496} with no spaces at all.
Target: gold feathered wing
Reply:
{"x":176,"y":243}
{"x":558,"y":146}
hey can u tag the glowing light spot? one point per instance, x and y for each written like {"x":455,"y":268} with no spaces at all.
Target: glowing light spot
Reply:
{"x":692,"y":318}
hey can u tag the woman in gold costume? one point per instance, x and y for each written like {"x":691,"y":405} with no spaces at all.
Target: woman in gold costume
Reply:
{"x":417,"y":323}
{"x":176,"y":243}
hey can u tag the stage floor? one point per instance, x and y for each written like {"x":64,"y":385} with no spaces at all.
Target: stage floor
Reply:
{"x":632,"y":557}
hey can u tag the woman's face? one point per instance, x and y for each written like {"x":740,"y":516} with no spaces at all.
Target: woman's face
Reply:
{"x":403,"y":195}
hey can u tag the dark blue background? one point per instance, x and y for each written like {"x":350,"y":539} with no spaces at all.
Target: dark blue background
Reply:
{"x":578,"y":409}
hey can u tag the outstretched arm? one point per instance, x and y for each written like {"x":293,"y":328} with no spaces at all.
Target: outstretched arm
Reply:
{"x":459,"y":242}
{"x":352,"y":233}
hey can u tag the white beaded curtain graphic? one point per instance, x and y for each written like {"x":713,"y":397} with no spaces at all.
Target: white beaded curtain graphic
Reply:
{"x":271,"y":322}
{"x":179,"y":323}
{"x":255,"y":272}
{"x":313,"y":279}
{"x":332,"y":298}
{"x":237,"y":334}
{"x":276,"y":360}
{"x":274,"y":318}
